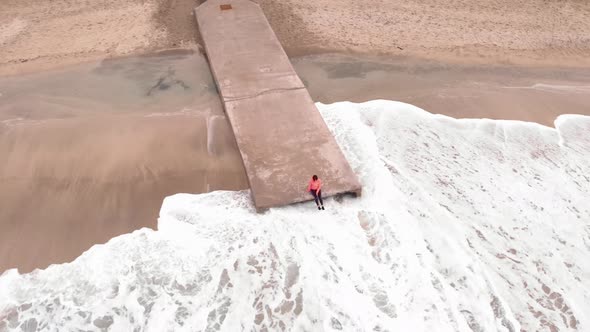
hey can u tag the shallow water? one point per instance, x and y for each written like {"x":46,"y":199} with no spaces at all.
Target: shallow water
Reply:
{"x":464,"y":225}
{"x":495,"y":92}
{"x":90,"y":152}
{"x":163,"y":81}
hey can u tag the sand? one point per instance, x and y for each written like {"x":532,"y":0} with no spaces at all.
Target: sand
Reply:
{"x":38,"y":35}
{"x":531,"y":32}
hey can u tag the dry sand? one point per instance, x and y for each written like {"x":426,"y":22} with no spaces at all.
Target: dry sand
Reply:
{"x":461,"y":91}
{"x":38,"y":35}
{"x":483,"y":31}
{"x":44,"y":34}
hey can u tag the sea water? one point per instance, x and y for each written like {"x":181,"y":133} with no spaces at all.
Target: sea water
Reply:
{"x":463,"y":225}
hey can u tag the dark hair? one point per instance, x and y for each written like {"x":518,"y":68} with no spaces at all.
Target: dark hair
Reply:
{"x":315,"y":177}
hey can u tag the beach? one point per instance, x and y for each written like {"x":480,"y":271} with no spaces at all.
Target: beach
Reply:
{"x":124,"y":203}
{"x":87,"y":159}
{"x":463,"y":225}
{"x":527,"y":32}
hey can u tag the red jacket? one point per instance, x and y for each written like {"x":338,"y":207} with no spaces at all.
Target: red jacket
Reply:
{"x":314,"y":185}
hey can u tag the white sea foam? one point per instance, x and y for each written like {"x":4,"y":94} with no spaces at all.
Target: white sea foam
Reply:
{"x":183,"y":112}
{"x":20,"y":121}
{"x":556,"y":88}
{"x":464,"y":225}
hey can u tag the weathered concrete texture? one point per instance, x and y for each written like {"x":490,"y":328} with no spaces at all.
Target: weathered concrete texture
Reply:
{"x":282,"y":137}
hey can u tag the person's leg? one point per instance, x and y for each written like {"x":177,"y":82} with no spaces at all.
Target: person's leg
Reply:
{"x":320,"y":197}
{"x":315,"y":197}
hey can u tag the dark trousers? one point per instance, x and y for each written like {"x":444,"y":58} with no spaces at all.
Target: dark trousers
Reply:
{"x":317,"y":196}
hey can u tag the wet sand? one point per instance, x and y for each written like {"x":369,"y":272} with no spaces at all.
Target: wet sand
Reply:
{"x":91,"y":152}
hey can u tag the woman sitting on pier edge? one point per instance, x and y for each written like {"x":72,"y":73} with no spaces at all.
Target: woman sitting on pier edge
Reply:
{"x":315,"y":187}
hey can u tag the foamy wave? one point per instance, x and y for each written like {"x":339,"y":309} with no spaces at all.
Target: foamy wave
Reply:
{"x":183,"y":112}
{"x":464,"y":225}
{"x":20,"y":121}
{"x":555,"y":88}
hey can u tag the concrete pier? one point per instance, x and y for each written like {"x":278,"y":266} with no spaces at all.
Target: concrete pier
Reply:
{"x":281,"y":135}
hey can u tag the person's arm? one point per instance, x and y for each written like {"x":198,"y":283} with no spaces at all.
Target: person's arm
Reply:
{"x":319,"y":185}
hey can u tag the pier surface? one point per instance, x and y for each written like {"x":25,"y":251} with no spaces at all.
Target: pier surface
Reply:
{"x":281,"y":135}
